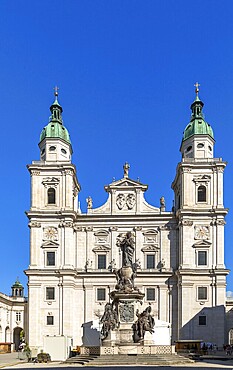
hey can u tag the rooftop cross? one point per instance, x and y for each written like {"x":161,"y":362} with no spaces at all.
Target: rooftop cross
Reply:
{"x":56,"y":88}
{"x":197,"y":87}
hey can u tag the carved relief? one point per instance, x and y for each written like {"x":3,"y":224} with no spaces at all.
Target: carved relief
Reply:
{"x":66,"y":224}
{"x":120,"y":201}
{"x":201,"y":232}
{"x":220,"y":169}
{"x":138,"y":228}
{"x":130,"y":201}
{"x":201,"y":180}
{"x":34,"y":224}
{"x":186,"y":223}
{"x":220,"y":222}
{"x":123,"y":201}
{"x":50,"y":233}
{"x":101,"y":237}
{"x":68,"y":172}
{"x":126,"y":312}
{"x":35,"y":173}
{"x":150,"y":237}
{"x":77,"y":228}
{"x":50,"y":181}
{"x":113,"y":228}
{"x":89,"y":228}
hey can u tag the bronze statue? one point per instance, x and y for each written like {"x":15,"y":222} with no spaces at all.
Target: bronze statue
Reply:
{"x":127,"y":247}
{"x":109,"y":320}
{"x":145,"y":322}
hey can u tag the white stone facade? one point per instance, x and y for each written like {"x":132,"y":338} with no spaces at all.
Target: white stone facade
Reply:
{"x":13,"y":319}
{"x":180,"y":253}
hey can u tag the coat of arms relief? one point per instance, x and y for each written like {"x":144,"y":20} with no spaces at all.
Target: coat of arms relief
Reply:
{"x":125,"y":201}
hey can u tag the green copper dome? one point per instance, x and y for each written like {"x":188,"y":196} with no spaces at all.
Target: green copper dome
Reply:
{"x":55,"y":128}
{"x":197,"y":124}
{"x":17,"y":284}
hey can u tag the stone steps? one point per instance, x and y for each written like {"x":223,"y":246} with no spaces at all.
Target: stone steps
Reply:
{"x":166,"y":359}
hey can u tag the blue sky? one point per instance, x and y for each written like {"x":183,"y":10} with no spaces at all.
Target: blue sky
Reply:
{"x":126,"y":71}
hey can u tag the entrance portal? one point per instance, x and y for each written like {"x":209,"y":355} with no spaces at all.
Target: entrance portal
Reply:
{"x":16,"y":337}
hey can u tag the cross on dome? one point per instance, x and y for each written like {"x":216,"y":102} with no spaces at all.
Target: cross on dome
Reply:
{"x":56,"y":88}
{"x":197,"y":87}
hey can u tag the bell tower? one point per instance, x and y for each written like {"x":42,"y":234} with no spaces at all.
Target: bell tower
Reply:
{"x":200,"y":212}
{"x":54,"y":208}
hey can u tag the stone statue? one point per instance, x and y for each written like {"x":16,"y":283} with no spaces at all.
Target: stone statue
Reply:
{"x":89,"y":202}
{"x":162,"y":204}
{"x":112,"y":265}
{"x":126,"y":168}
{"x":109,"y":320}
{"x":125,"y":276}
{"x":88,"y":264}
{"x":145,"y":322}
{"x":127,"y":247}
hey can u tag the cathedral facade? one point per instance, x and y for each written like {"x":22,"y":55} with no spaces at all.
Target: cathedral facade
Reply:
{"x":179,"y":253}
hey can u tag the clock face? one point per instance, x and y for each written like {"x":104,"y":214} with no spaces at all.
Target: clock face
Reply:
{"x":202,"y":232}
{"x":50,"y":233}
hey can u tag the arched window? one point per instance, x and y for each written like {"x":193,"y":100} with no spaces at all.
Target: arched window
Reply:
{"x":201,"y":193}
{"x":51,"y":196}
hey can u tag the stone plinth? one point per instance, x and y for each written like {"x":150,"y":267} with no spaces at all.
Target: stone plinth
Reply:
{"x":148,"y":338}
{"x":127,"y":303}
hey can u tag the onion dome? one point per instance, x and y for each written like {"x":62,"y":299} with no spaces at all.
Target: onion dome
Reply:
{"x":197,"y":124}
{"x":55,"y":128}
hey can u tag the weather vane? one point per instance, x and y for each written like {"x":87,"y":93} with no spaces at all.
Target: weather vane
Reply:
{"x":56,"y":88}
{"x":197,"y":87}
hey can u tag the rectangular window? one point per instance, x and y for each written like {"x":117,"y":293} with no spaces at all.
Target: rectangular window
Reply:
{"x":18,"y":316}
{"x":50,"y":259}
{"x":50,"y":320}
{"x":202,"y":292}
{"x":150,"y":294}
{"x":202,"y":320}
{"x":150,"y":261}
{"x":101,"y":261}
{"x":202,"y":258}
{"x":101,"y":294}
{"x":50,"y":293}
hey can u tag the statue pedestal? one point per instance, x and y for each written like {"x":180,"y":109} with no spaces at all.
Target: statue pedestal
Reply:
{"x":127,"y":303}
{"x":148,"y":338}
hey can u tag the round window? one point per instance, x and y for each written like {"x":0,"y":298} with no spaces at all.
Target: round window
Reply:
{"x":200,"y":145}
{"x":52,"y":148}
{"x":63,"y":151}
{"x":210,"y":149}
{"x":189,"y":148}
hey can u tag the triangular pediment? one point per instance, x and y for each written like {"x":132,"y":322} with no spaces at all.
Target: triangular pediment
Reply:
{"x":49,"y":243}
{"x":202,"y":244}
{"x":126,"y":183}
{"x":101,"y":248}
{"x":150,"y":248}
